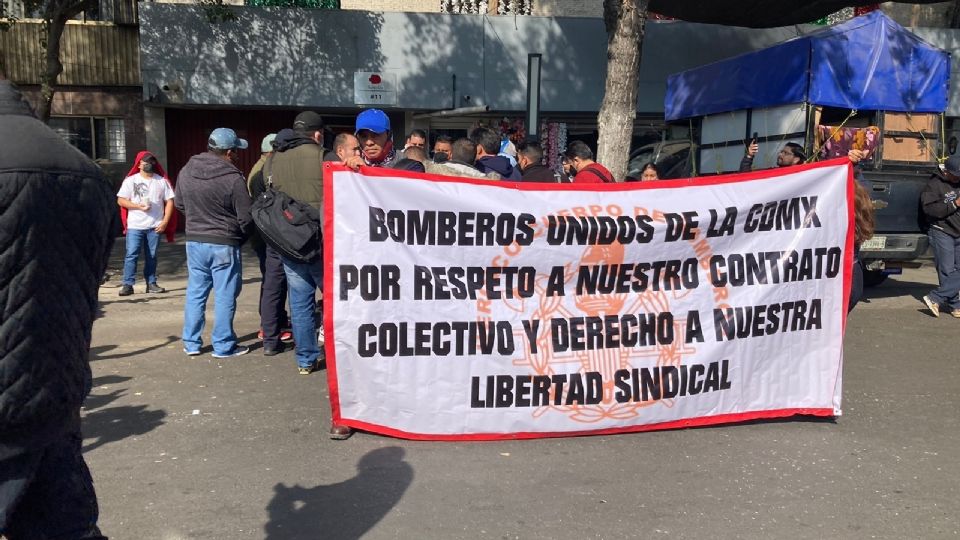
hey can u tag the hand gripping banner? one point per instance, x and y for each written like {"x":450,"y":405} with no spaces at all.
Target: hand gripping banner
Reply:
{"x":458,"y":309}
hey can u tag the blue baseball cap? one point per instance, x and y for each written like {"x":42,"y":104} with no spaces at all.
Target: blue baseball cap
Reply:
{"x":373,"y":120}
{"x":225,"y":139}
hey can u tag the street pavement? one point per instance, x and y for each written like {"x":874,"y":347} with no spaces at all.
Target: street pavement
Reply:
{"x":200,"y":448}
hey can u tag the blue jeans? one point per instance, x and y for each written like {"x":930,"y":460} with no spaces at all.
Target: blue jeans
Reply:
{"x":946,"y":254}
{"x":147,"y":240}
{"x":303,"y":280}
{"x":217,"y":267}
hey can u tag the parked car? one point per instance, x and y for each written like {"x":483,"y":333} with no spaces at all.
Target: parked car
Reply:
{"x":672,"y":159}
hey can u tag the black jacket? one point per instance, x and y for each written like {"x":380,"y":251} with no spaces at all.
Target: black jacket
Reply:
{"x":499,"y":165}
{"x":56,"y":216}
{"x":938,"y":207}
{"x":213,"y":196}
{"x":538,"y":173}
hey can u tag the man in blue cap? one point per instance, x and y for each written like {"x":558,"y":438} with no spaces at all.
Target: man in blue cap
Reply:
{"x":212,"y":194}
{"x":376,"y":140}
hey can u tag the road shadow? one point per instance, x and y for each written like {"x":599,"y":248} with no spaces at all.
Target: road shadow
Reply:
{"x":346,"y":510}
{"x":97,"y":353}
{"x":97,"y":401}
{"x":897,"y":288}
{"x":105,"y":426}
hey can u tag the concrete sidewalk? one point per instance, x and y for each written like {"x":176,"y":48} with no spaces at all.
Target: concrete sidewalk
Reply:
{"x":200,"y":448}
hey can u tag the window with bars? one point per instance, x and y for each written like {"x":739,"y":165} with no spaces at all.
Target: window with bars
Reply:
{"x":97,"y":137}
{"x":500,"y":7}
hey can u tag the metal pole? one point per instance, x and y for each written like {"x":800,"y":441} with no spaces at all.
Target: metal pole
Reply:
{"x":533,"y":96}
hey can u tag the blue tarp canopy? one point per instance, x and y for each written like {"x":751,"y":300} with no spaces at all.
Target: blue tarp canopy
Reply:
{"x":867,"y":63}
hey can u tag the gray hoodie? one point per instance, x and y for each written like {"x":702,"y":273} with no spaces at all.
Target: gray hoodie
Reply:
{"x":212,"y":194}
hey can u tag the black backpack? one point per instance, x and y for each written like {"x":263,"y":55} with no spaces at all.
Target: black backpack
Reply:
{"x":286,"y":224}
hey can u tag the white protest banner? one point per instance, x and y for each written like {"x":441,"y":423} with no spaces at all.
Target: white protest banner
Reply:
{"x":472,"y":309}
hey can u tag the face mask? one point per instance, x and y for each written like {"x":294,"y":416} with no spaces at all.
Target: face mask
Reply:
{"x":147,"y":166}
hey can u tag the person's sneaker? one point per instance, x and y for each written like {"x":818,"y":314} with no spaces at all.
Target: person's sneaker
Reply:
{"x":273,"y":351}
{"x":191,"y":353}
{"x":955,"y":313}
{"x":154,"y":288}
{"x":932,"y":306}
{"x":239,"y":350}
{"x":305,"y":370}
{"x":126,"y":290}
{"x":340,"y":433}
{"x":286,"y":336}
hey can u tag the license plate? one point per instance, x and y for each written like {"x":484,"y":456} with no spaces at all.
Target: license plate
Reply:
{"x":875,"y":243}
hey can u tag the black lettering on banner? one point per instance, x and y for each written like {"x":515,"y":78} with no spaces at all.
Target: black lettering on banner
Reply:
{"x":423,"y":227}
{"x":504,"y":391}
{"x":726,"y":228}
{"x":742,"y":322}
{"x":555,"y":285}
{"x":666,"y":275}
{"x":374,"y":282}
{"x":620,"y":378}
{"x":465,"y":229}
{"x":377,"y":228}
{"x":694,"y":330}
{"x":459,"y":338}
{"x":631,"y":385}
{"x":680,"y":226}
{"x":531,"y":328}
{"x":611,"y":331}
{"x":473,"y":282}
{"x":523,"y":390}
{"x":585,"y":230}
{"x":448,"y":228}
{"x":773,"y":267}
{"x":784,"y":215}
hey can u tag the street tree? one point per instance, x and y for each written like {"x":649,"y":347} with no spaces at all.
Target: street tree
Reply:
{"x":625,"y":21}
{"x":54,"y":15}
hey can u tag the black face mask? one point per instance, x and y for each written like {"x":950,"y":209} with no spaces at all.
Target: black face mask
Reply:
{"x":147,"y":167}
{"x":440,"y":157}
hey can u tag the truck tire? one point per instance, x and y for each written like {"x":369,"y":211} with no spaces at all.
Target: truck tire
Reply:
{"x":872,"y":278}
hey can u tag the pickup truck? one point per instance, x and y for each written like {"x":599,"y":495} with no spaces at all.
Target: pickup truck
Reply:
{"x":867,"y":84}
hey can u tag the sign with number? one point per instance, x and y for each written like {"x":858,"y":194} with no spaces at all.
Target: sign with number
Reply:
{"x":374,"y":88}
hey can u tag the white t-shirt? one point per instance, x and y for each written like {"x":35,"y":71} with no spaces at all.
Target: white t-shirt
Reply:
{"x":139,"y":189}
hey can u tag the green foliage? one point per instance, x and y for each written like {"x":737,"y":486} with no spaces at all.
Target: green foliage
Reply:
{"x":216,"y":11}
{"x":313,"y":4}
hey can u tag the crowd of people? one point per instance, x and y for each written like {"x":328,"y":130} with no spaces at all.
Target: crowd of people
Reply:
{"x":215,"y":199}
{"x":41,"y":464}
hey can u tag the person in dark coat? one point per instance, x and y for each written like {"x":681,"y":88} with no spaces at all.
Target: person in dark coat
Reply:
{"x":940,"y":203}
{"x":529,"y":158}
{"x":488,"y":146}
{"x":57,"y":213}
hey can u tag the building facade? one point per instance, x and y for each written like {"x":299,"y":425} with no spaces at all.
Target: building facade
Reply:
{"x":98,"y":105}
{"x":160,"y":75}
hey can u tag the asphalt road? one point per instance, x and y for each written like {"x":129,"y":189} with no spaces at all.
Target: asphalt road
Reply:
{"x":200,"y":448}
